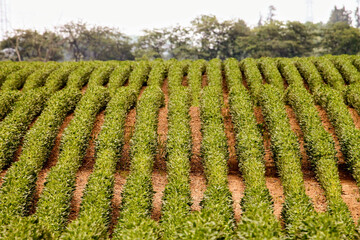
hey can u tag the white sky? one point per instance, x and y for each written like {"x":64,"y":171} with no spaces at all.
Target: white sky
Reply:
{"x":132,"y":16}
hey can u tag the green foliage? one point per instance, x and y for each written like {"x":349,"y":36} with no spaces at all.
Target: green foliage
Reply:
{"x":349,"y":137}
{"x":95,"y":212}
{"x":157,"y":74}
{"x":309,"y":72}
{"x":253,"y":78}
{"x":270,"y":72}
{"x":320,"y":148}
{"x":347,"y":69}
{"x":6,"y":69}
{"x":15,"y":125}
{"x":100,"y":76}
{"x":16,"y":80}
{"x":58,"y":78}
{"x":7,"y":101}
{"x":214,"y":76}
{"x":80,"y":76}
{"x":54,"y":203}
{"x":258,"y":220}
{"x":196,"y":70}
{"x":177,"y":195}
{"x":134,"y":221}
{"x":118,"y":77}
{"x":290,"y":72}
{"x":20,"y":180}
{"x":139,"y":76}
{"x":38,"y":78}
{"x":329,"y":73}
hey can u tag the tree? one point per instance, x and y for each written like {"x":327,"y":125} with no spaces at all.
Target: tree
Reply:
{"x":30,"y":45}
{"x":271,"y":13}
{"x":340,"y":38}
{"x":340,"y":15}
{"x":357,"y":17}
{"x":151,"y":45}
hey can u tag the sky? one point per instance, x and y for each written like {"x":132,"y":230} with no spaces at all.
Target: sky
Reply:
{"x":133,"y":16}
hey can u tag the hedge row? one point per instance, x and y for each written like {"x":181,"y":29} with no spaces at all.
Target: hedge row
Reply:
{"x":258,"y":220}
{"x":95,"y":211}
{"x":216,"y":219}
{"x":157,"y":74}
{"x":118,"y":77}
{"x":214,"y":76}
{"x":253,"y":78}
{"x":80,"y":76}
{"x":54,"y":203}
{"x":285,"y":148}
{"x":137,"y":196}
{"x":349,"y":136}
{"x":58,"y":78}
{"x":177,"y":194}
{"x":15,"y":124}
{"x":139,"y":76}
{"x":16,"y":80}
{"x":20,"y":180}
{"x":270,"y":72}
{"x":353,"y":96}
{"x":100,"y":76}
{"x":320,"y":148}
{"x":37,"y":79}
{"x":196,"y":70}
{"x":289,"y":72}
{"x":329,"y":72}
{"x":348,"y":71}
{"x":309,"y":72}
{"x":7,"y":101}
{"x":6,"y":69}
{"x":177,"y":71}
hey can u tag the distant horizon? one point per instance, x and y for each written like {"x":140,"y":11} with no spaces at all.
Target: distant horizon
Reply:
{"x":131,"y":18}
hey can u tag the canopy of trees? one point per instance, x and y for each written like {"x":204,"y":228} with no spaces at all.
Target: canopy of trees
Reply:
{"x":206,"y":38}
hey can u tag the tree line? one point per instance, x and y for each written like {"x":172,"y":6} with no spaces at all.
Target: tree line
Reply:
{"x":207,"y":37}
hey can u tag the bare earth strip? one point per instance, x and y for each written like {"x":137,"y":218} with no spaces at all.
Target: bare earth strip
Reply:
{"x":236,"y":184}
{"x":50,"y":162}
{"x":197,"y":178}
{"x":355,"y":116}
{"x":350,"y":191}
{"x":312,"y":186}
{"x":273,"y":181}
{"x":86,"y":168}
{"x":159,"y":178}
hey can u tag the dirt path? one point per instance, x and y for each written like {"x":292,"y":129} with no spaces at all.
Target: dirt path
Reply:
{"x":86,"y":168}
{"x":236,"y":183}
{"x":52,"y":160}
{"x":350,"y":191}
{"x":197,"y":177}
{"x":312,"y":186}
{"x":159,"y":178}
{"x":355,"y":116}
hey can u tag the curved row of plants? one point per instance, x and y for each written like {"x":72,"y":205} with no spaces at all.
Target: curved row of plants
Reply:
{"x":195,"y":73}
{"x":258,"y":220}
{"x":20,"y":180}
{"x":348,"y":71}
{"x":320,"y":148}
{"x":80,"y":76}
{"x":37,"y":79}
{"x":176,"y":201}
{"x":58,"y":78}
{"x":95,"y":211}
{"x":7,"y":68}
{"x":329,"y":72}
{"x":54,"y":203}
{"x":7,"y":101}
{"x":134,"y":221}
{"x":216,"y":218}
{"x":269,"y":70}
{"x":16,"y":123}
{"x":16,"y":80}
{"x":253,"y":78}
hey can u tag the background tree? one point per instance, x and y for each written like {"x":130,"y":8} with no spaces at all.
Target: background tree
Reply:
{"x":340,"y":15}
